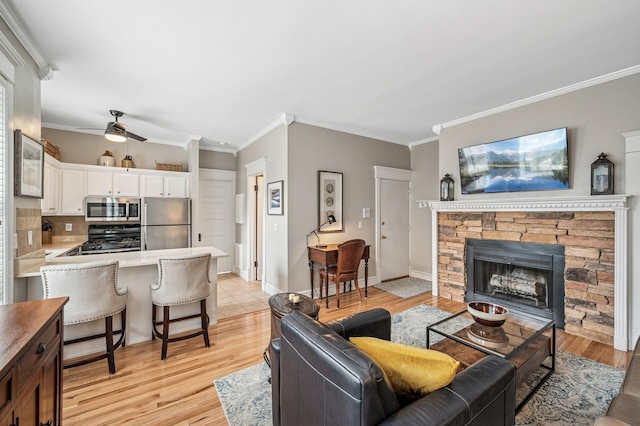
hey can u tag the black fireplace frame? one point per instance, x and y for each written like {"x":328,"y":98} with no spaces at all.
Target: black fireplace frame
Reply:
{"x":548,"y":257}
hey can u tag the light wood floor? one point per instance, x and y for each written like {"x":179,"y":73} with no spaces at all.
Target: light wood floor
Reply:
{"x":180,"y":390}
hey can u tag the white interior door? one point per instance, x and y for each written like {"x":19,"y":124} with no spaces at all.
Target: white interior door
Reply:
{"x":394,"y":229}
{"x":259,"y":225}
{"x":217,"y":215}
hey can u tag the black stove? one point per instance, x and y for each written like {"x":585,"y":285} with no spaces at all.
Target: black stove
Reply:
{"x":112,"y":239}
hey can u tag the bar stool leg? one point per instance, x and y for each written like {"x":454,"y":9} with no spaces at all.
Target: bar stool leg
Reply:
{"x":153,"y":321}
{"x":109,"y":338}
{"x":165,"y":333}
{"x":205,"y":321}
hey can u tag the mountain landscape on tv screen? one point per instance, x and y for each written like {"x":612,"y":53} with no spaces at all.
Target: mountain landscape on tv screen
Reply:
{"x":528,"y":163}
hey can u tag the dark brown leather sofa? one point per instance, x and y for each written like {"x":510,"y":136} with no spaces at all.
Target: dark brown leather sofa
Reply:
{"x":624,"y":409}
{"x":320,"y":378}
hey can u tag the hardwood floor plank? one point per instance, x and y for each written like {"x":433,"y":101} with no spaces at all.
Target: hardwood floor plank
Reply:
{"x":180,"y":390}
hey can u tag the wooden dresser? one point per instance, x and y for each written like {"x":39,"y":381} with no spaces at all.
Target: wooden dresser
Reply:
{"x":31,"y":336}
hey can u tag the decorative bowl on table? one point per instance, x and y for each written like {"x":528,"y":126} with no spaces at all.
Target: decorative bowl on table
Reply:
{"x":487,"y":313}
{"x":489,"y":337}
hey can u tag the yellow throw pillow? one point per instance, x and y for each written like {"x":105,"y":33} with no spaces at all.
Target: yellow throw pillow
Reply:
{"x":411,"y":370}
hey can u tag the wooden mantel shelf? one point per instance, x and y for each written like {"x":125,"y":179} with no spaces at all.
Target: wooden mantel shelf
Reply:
{"x":579,"y":203}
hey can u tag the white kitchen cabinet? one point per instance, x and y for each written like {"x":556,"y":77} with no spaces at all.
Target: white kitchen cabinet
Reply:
{"x":126,"y":185}
{"x":109,"y":184}
{"x":74,"y":189}
{"x":100,"y":183}
{"x":51,"y":190}
{"x":164,"y":186}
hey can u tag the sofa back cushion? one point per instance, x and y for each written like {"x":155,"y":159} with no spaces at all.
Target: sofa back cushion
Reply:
{"x":327,"y":380}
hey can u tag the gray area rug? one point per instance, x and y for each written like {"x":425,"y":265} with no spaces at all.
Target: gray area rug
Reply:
{"x":405,"y":287}
{"x":578,"y":391}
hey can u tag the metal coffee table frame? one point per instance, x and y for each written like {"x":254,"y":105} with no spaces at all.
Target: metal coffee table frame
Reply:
{"x":545,"y":325}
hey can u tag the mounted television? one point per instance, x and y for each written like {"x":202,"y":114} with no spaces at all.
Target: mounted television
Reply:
{"x":536,"y":162}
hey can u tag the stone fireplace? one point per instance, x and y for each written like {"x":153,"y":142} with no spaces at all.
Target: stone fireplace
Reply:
{"x":592,"y":232}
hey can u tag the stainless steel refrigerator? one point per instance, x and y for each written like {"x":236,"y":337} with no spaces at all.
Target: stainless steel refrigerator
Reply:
{"x":166,"y":223}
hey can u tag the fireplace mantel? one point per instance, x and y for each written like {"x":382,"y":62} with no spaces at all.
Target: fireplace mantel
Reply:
{"x":588,"y":203}
{"x":616,"y":203}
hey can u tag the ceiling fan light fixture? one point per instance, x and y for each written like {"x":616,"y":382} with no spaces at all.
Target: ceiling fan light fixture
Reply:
{"x":114,"y":134}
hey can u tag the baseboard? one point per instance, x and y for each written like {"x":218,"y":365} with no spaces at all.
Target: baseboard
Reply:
{"x":422,"y":275}
{"x":242,"y":273}
{"x":270,"y":289}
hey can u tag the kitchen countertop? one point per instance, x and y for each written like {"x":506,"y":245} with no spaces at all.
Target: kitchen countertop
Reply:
{"x":56,"y":249}
{"x":126,"y":259}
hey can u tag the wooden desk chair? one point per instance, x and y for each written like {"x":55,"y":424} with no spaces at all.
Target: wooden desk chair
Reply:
{"x":346,"y":270}
{"x":93,"y":295}
{"x":183,"y":279}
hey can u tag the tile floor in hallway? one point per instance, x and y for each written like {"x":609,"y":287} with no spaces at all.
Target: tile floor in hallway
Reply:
{"x":237,"y":296}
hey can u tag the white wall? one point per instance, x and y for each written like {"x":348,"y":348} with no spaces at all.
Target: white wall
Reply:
{"x":632,"y":177}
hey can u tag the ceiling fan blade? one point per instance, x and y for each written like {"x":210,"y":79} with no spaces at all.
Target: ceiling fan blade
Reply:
{"x":136,"y":137}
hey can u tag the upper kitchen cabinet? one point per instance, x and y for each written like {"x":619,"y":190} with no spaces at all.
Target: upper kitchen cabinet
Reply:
{"x":51,"y":188}
{"x":74,"y":189}
{"x":109,"y":184}
{"x":169,"y":186}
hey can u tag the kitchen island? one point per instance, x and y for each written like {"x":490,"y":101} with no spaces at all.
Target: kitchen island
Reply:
{"x":137,"y":271}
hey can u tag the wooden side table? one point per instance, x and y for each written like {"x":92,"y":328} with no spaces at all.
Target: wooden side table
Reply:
{"x":280,"y":306}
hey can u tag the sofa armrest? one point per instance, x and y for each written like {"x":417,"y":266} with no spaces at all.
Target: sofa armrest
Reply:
{"x":274,"y":355}
{"x":372,"y":323}
{"x":484,"y":393}
{"x":609,"y":421}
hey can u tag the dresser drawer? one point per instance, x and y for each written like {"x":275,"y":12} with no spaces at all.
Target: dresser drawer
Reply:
{"x":38,"y":352}
{"x":7,"y":391}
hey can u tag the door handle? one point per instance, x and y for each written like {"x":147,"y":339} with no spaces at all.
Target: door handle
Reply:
{"x":384,"y":237}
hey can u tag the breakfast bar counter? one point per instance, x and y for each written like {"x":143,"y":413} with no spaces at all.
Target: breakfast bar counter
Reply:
{"x":136,"y":272}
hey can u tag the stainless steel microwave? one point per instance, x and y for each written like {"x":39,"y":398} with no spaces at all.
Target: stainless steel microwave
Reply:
{"x":101,"y":209}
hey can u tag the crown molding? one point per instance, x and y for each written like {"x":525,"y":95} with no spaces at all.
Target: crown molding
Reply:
{"x":285,"y":119}
{"x":16,"y":27}
{"x":543,"y":96}
{"x":346,"y":129}
{"x":423,"y":141}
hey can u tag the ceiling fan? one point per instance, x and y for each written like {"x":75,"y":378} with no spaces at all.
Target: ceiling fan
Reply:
{"x":117,"y":132}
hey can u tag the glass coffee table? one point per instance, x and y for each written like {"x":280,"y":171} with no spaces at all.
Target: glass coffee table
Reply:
{"x":524,"y":339}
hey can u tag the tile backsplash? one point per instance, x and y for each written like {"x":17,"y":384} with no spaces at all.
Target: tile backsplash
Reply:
{"x":79,"y":228}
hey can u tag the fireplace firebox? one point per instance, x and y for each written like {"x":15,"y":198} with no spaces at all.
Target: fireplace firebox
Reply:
{"x":524,"y":276}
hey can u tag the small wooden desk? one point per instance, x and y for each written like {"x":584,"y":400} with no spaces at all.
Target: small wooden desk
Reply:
{"x":328,"y":255}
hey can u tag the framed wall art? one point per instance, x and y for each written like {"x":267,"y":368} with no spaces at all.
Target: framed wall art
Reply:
{"x":275,"y":196}
{"x":329,"y":200}
{"x":29,"y":166}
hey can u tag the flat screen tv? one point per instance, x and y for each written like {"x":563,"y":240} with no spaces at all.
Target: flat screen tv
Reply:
{"x":536,"y":162}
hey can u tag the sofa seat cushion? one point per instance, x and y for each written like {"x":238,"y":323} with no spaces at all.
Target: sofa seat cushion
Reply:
{"x":624,"y":408}
{"x":631,"y":383}
{"x":411,"y":370}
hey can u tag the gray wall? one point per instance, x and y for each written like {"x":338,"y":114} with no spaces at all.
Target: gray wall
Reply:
{"x":84,"y":148}
{"x":272,"y":147}
{"x":26,"y":117}
{"x":424,"y":186}
{"x":217,"y":160}
{"x":595,"y":118}
{"x":314,"y":148}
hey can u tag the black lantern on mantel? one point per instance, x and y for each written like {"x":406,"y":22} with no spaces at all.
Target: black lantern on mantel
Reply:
{"x":602,"y":176}
{"x":446,"y":188}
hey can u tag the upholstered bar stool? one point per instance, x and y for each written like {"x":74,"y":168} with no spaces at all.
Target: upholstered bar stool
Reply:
{"x":182,"y":280}
{"x":93,"y":294}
